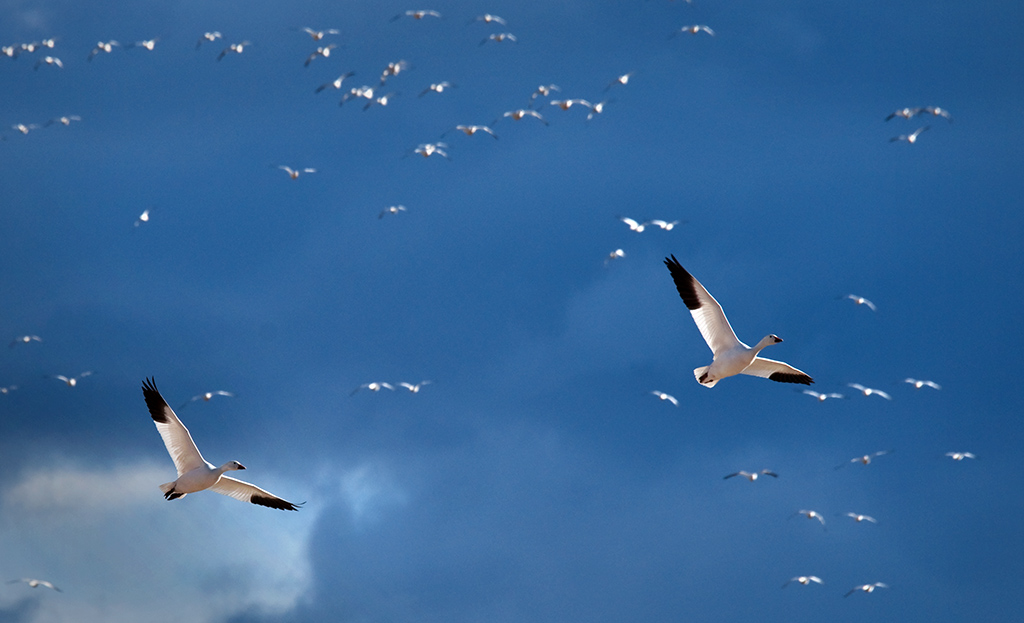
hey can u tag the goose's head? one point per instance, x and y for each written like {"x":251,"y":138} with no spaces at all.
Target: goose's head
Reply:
{"x":230,"y":465}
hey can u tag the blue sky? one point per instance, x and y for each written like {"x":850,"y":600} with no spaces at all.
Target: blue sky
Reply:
{"x":536,"y":478}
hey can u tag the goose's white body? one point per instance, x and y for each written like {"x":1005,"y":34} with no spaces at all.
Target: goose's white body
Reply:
{"x":731,"y":356}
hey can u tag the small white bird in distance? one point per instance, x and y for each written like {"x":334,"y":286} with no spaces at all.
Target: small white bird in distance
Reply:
{"x":391,"y":210}
{"x":418,"y":14}
{"x":194,"y":472}
{"x":596,"y":109}
{"x":336,"y":83}
{"x":375,"y":386}
{"x":207,"y":397}
{"x":103,"y":46}
{"x":237,"y":48}
{"x":24,"y":128}
{"x":910,"y":138}
{"x":867,"y":588}
{"x":24,"y":339}
{"x":380,"y":100}
{"x":633,"y":224}
{"x":437,"y":87}
{"x":614,"y":255}
{"x":730,"y":355}
{"x":470,"y":130}
{"x":365,"y":92}
{"x":938,"y":112}
{"x":324,"y":51}
{"x":429,"y":149}
{"x":752,"y":476}
{"x":516,"y":115}
{"x":143,"y":218}
{"x":869,"y":391}
{"x":8,"y":389}
{"x":148,"y":44}
{"x":34,"y":583}
{"x":70,"y":381}
{"x":860,"y":300}
{"x":569,"y":103}
{"x":487,"y":18}
{"x":10,"y":51}
{"x":918,"y":384}
{"x":859,"y":518}
{"x":543,"y":90}
{"x":208,"y":36}
{"x":694,"y":29}
{"x":905,"y":113}
{"x":320,"y":34}
{"x":393,"y":69}
{"x":959,"y":456}
{"x":864,"y":460}
{"x":803,"y":579}
{"x":822,"y":397}
{"x":66,"y":120}
{"x":665,"y":225}
{"x":810,"y":515}
{"x":294,"y":173}
{"x":623,"y":80}
{"x":414,"y":388}
{"x":499,"y":37}
{"x":49,"y":60}
{"x":664,"y":396}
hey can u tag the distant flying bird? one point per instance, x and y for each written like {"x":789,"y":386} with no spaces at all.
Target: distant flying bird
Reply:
{"x":237,"y":48}
{"x":516,"y":115}
{"x":633,"y":224}
{"x":208,"y":36}
{"x":865,"y":459}
{"x":567,"y":104}
{"x":437,"y":87}
{"x":393,"y":69}
{"x":391,"y":210}
{"x":470,"y":130}
{"x":860,"y":300}
{"x":336,"y":83}
{"x":810,"y":515}
{"x":621,"y":80}
{"x":148,"y":44}
{"x":208,"y":396}
{"x":910,"y":138}
{"x":8,"y":389}
{"x":822,"y":397}
{"x":49,"y":60}
{"x":380,"y":100}
{"x":324,"y":51}
{"x":418,"y":14}
{"x":752,"y":476}
{"x":24,"y":339}
{"x":667,"y":226}
{"x":543,"y":90}
{"x":194,"y":473}
{"x":867,"y":588}
{"x":668,"y":397}
{"x":70,"y":381}
{"x":103,"y":46}
{"x":614,"y":255}
{"x":320,"y":34}
{"x":938,"y":112}
{"x":905,"y":113}
{"x":34,"y":583}
{"x":24,"y":128}
{"x":597,"y":109}
{"x":10,"y":51}
{"x":365,"y":92}
{"x":414,"y":388}
{"x":918,"y":384}
{"x":294,"y":173}
{"x":143,"y":218}
{"x":62,"y":120}
{"x":731,"y":356}
{"x":429,"y":149}
{"x":375,"y":386}
{"x":694,"y":29}
{"x":803,"y":579}
{"x":487,"y":18}
{"x":959,"y":456}
{"x":860,"y":518}
{"x":869,"y":391}
{"x":499,"y":37}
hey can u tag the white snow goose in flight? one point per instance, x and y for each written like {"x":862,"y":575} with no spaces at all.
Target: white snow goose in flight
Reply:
{"x":194,"y":473}
{"x":731,"y":356}
{"x":34,"y":583}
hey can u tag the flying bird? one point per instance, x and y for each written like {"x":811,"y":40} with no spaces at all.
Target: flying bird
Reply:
{"x":208,"y":36}
{"x":381,"y":100}
{"x":569,"y":103}
{"x":859,"y":518}
{"x":864,"y":460}
{"x":633,"y":224}
{"x":597,"y":109}
{"x":393,"y":69}
{"x":694,"y":29}
{"x":803,"y":579}
{"x":620,"y":80}
{"x":487,"y":18}
{"x":24,"y":339}
{"x":70,"y":381}
{"x":208,"y":396}
{"x":860,"y":300}
{"x":34,"y":583}
{"x":959,"y":456}
{"x":195,"y":473}
{"x":62,"y":120}
{"x":294,"y":173}
{"x":867,"y":588}
{"x":668,"y":397}
{"x":391,"y":210}
{"x":810,"y":515}
{"x":8,"y":389}
{"x":429,"y":149}
{"x":320,"y":34}
{"x":905,"y":113}
{"x":324,"y":51}
{"x":752,"y":476}
{"x":470,"y":130}
{"x":614,"y":255}
{"x":49,"y":60}
{"x":731,"y":356}
{"x":103,"y":46}
{"x":938,"y":112}
{"x":543,"y":90}
{"x":375,"y":386}
{"x":414,"y":388}
{"x":237,"y":48}
{"x":822,"y":397}
{"x":418,"y":14}
{"x":148,"y":44}
{"x":143,"y":218}
{"x":918,"y":384}
{"x":910,"y":138}
{"x":336,"y":83}
{"x":437,"y":87}
{"x":516,"y":115}
{"x":24,"y":128}
{"x":499,"y":37}
{"x":666,"y":225}
{"x":869,"y":391}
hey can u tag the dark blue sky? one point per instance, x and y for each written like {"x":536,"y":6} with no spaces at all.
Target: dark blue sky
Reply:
{"x":536,"y":478}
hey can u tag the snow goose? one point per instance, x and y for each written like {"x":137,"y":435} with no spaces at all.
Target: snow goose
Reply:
{"x":869,"y":391}
{"x":822,"y":397}
{"x":668,"y":397}
{"x":336,"y":83}
{"x":633,"y":224}
{"x":34,"y":583}
{"x":803,"y":579}
{"x":731,"y":356}
{"x":208,"y":36}
{"x":391,"y":210}
{"x":194,"y":473}
{"x":867,"y":588}
{"x":24,"y":339}
{"x":918,"y":383}
{"x":810,"y":515}
{"x":864,"y":460}
{"x":208,"y":396}
{"x":143,"y":218}
{"x":623,"y":80}
{"x":860,"y":300}
{"x":614,"y":255}
{"x":959,"y":456}
{"x":70,"y":381}
{"x":752,"y":476}
{"x":375,"y":386}
{"x":694,"y":29}
{"x":860,"y":518}
{"x":910,"y":138}
{"x":8,"y":389}
{"x":414,"y":388}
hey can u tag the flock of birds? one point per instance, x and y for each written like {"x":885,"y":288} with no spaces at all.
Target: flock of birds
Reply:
{"x":730,"y":356}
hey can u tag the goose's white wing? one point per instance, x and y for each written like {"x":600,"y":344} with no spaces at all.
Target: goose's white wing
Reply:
{"x":706,"y":311}
{"x":179,"y":443}
{"x":246,"y":492}
{"x":776,"y":371}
